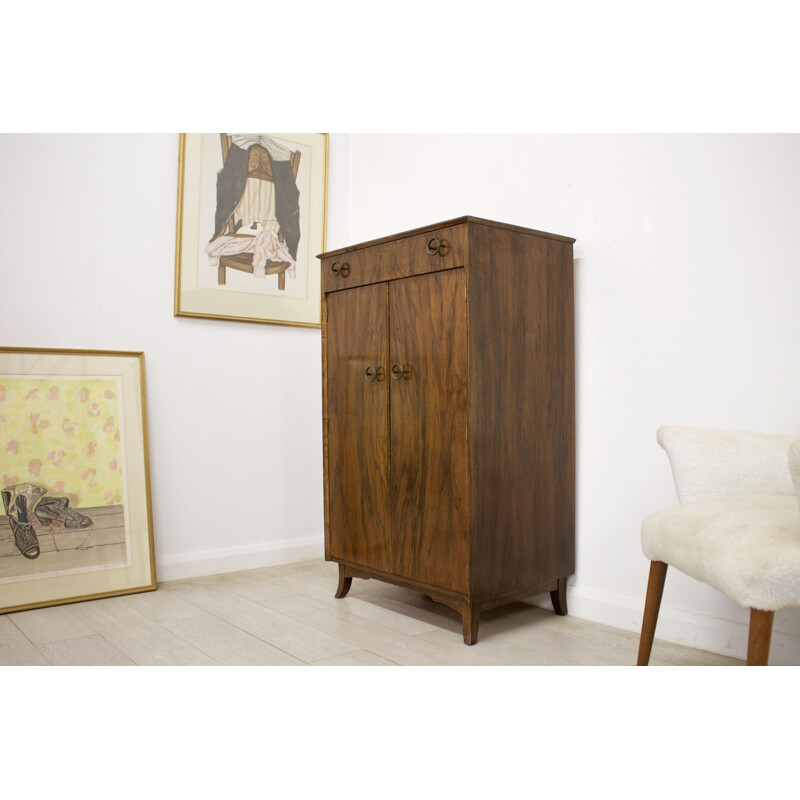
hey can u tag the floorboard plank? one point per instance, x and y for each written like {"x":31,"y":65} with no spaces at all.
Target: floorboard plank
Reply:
{"x":15,"y":649}
{"x":87,"y":651}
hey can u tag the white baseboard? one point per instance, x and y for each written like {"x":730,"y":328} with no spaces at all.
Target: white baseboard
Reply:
{"x":213,"y":562}
{"x":702,"y":631}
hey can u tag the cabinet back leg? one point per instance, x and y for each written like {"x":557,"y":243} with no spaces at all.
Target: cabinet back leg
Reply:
{"x":344,"y":582}
{"x":559,"y":598}
{"x":470,"y":617}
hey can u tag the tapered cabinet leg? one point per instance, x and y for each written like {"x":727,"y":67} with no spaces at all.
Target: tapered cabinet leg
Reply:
{"x":470,"y":616}
{"x":759,"y":637}
{"x":344,"y":582}
{"x":652,"y":603}
{"x":559,"y":598}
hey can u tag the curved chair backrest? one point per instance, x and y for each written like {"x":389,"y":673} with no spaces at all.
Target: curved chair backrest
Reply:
{"x":717,"y":463}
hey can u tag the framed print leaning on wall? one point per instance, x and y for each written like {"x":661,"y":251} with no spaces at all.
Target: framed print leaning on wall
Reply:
{"x":76,"y":519}
{"x":251,"y":220}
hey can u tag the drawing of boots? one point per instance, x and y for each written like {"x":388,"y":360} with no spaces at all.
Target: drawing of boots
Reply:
{"x":55,"y":513}
{"x":19,"y":501}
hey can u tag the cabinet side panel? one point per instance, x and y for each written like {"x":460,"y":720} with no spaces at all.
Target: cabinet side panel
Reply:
{"x":522,"y":411}
{"x":357,"y":465}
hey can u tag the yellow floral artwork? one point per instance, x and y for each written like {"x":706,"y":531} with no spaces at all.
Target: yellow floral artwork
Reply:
{"x":64,"y":434}
{"x":75,"y":516}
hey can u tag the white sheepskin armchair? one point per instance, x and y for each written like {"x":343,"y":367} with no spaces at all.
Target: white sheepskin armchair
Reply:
{"x":737,"y":527}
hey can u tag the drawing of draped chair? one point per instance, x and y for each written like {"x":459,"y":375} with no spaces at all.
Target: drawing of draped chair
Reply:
{"x":257,"y":220}
{"x":26,"y":505}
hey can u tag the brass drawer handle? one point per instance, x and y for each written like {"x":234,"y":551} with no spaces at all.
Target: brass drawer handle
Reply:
{"x":340,"y":269}
{"x":438,"y":246}
{"x":374,"y":374}
{"x":399,"y":371}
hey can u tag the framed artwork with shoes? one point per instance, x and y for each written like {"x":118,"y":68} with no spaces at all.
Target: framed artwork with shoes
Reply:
{"x":76,"y":518}
{"x":251,"y":219}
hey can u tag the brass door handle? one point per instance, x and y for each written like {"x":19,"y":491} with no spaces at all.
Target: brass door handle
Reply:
{"x":437,"y":246}
{"x":374,"y":374}
{"x":399,"y":371}
{"x":340,"y":269}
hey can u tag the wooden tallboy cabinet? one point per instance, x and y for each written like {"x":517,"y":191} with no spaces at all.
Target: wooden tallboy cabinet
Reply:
{"x":449,"y":413}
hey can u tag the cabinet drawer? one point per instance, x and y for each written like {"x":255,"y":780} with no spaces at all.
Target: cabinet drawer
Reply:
{"x":412,"y":255}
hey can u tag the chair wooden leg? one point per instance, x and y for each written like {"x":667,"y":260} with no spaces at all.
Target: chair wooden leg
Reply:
{"x":759,"y":637}
{"x":652,"y":603}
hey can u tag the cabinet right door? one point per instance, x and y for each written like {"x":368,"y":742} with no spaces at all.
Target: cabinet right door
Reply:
{"x":429,"y":412}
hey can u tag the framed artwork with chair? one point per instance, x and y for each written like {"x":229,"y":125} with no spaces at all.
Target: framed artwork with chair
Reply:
{"x":251,"y":220}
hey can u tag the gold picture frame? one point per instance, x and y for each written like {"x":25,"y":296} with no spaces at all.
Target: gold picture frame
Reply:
{"x":251,"y":219}
{"x":75,"y":519}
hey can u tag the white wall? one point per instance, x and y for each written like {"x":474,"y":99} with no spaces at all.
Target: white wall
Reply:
{"x":687,"y":267}
{"x":686,"y":286}
{"x":234,"y":409}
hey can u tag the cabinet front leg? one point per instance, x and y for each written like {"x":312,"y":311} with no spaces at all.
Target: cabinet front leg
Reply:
{"x":470,"y":616}
{"x":344,"y":582}
{"x":559,"y":598}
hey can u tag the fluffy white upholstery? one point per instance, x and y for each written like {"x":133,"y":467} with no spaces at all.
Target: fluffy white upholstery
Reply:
{"x":738,"y":525}
{"x":746,"y":546}
{"x":712,"y":463}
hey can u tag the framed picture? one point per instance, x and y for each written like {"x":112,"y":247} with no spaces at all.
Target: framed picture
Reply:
{"x":76,"y":520}
{"x":251,"y":221}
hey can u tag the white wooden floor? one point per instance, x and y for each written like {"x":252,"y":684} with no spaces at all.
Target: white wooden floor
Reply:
{"x":287,"y":615}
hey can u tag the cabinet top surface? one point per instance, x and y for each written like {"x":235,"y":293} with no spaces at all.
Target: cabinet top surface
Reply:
{"x":447,"y":224}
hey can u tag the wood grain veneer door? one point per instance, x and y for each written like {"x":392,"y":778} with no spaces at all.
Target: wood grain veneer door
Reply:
{"x":429,"y":405}
{"x":358,"y":427}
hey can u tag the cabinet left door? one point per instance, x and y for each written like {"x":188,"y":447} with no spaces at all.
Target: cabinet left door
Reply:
{"x":358,"y":426}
